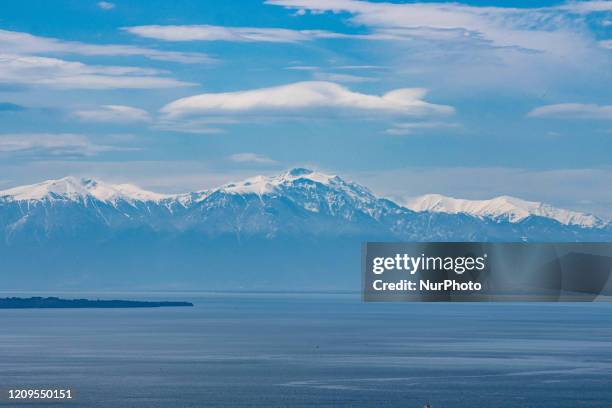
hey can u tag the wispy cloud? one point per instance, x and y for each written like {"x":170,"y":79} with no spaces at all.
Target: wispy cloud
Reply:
{"x":346,"y":78}
{"x":304,"y":99}
{"x":552,"y":29}
{"x":339,"y":67}
{"x":303,"y":68}
{"x":251,"y":158}
{"x":573,"y":111}
{"x":57,"y":73}
{"x":401,"y":129}
{"x":24,"y":43}
{"x":195,"y":126}
{"x":114,"y":114}
{"x":235,"y":34}
{"x":53,"y":144}
{"x":358,"y":67}
{"x":105,"y":5}
{"x":506,"y":50}
{"x":585,"y":7}
{"x":328,"y":74}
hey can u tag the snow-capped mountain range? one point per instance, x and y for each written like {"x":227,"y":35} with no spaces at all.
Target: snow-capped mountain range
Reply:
{"x":503,"y":208}
{"x":72,"y":188}
{"x":500,"y":209}
{"x":92,"y":233}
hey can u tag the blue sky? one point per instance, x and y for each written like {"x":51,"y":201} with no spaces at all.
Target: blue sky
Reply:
{"x":472,"y":99}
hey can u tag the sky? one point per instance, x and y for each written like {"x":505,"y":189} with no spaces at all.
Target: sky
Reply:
{"x":468,"y":99}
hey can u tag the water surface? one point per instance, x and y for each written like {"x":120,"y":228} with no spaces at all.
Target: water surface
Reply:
{"x":299,"y":350}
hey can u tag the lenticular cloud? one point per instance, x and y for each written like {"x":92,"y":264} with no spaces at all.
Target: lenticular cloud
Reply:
{"x":302,"y":98}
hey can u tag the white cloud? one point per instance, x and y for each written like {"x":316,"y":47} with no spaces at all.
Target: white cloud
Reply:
{"x":250,"y":158}
{"x":572,"y":111}
{"x":327,"y":74}
{"x":195,"y":126}
{"x":303,"y":68}
{"x":54,"y":144}
{"x":352,"y":67}
{"x":465,"y":49}
{"x":105,"y":5}
{"x":304,"y":99}
{"x":57,"y":73}
{"x":555,"y":29}
{"x":281,"y":35}
{"x":586,"y":7}
{"x":335,"y":77}
{"x":24,"y":43}
{"x":114,"y":114}
{"x":401,"y":129}
{"x":235,"y":34}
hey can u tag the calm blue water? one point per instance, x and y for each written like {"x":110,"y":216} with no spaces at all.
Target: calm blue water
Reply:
{"x":257,"y":350}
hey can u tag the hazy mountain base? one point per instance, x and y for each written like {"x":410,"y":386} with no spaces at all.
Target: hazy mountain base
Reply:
{"x":142,"y":258}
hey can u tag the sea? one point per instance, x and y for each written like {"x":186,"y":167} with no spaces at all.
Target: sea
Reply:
{"x":310,"y":350}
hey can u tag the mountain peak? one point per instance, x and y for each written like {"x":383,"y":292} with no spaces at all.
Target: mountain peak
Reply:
{"x":503,"y":207}
{"x":299,"y":171}
{"x":73,"y":188}
{"x":268,"y":184}
{"x":69,"y":187}
{"x":310,"y":188}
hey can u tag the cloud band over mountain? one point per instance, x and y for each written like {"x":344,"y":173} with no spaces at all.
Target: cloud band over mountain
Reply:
{"x":298,"y":98}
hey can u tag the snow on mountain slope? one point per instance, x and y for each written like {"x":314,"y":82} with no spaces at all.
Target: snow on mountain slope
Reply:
{"x":267,"y":184}
{"x":296,"y":226}
{"x":310,"y":190}
{"x":72,"y":188}
{"x":504,"y":207}
{"x":302,"y":188}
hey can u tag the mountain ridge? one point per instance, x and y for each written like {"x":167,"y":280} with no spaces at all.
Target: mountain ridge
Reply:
{"x":507,"y":208}
{"x":299,"y":229}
